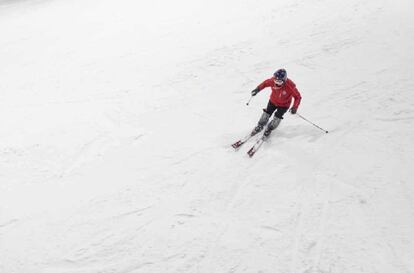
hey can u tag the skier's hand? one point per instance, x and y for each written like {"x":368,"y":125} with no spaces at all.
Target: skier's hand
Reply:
{"x":293,"y":110}
{"x":255,"y":91}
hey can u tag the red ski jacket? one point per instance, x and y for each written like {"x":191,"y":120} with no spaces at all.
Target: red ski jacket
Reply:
{"x":282,"y":96}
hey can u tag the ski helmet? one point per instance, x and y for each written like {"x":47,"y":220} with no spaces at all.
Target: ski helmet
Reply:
{"x":280,"y":75}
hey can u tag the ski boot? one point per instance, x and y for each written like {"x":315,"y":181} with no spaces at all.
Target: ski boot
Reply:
{"x":262,"y":122}
{"x":271,"y":126}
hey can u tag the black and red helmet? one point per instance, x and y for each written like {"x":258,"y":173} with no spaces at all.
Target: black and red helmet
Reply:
{"x":280,"y":74}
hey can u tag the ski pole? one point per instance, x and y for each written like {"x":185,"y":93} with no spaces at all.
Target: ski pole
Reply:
{"x":249,"y":100}
{"x":312,"y":123}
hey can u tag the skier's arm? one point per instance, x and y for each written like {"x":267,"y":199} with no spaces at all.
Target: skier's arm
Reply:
{"x":266,"y":83}
{"x":297,"y":98}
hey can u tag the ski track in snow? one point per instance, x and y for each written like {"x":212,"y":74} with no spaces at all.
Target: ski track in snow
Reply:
{"x":117,"y":121}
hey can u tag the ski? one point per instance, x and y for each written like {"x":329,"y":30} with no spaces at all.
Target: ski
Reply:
{"x":240,"y":142}
{"x":257,"y":145}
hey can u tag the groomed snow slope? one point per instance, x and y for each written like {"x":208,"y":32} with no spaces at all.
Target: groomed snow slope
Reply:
{"x":116,"y":119}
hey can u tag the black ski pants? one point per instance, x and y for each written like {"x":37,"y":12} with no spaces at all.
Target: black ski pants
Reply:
{"x":280,"y":111}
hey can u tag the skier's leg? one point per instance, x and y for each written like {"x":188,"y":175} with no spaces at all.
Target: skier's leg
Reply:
{"x":262,"y":122}
{"x":272,"y":125}
{"x":276,"y":120}
{"x":264,"y":118}
{"x":270,"y":108}
{"x":280,"y":111}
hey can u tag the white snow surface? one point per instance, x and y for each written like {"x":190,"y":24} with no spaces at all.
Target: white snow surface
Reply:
{"x":116,"y":119}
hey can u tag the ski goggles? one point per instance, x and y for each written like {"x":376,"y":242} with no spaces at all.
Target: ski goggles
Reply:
{"x":278,"y":82}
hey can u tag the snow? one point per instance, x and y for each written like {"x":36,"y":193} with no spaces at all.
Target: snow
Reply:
{"x":117,"y":119}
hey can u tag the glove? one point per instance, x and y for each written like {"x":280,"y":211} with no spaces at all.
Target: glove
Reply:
{"x":293,"y":110}
{"x":255,"y":91}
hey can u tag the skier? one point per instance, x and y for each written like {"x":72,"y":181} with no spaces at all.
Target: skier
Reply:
{"x":283,"y":89}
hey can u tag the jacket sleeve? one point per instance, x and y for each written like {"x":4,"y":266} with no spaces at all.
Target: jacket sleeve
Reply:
{"x":266,"y":83}
{"x":296,"y":96}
